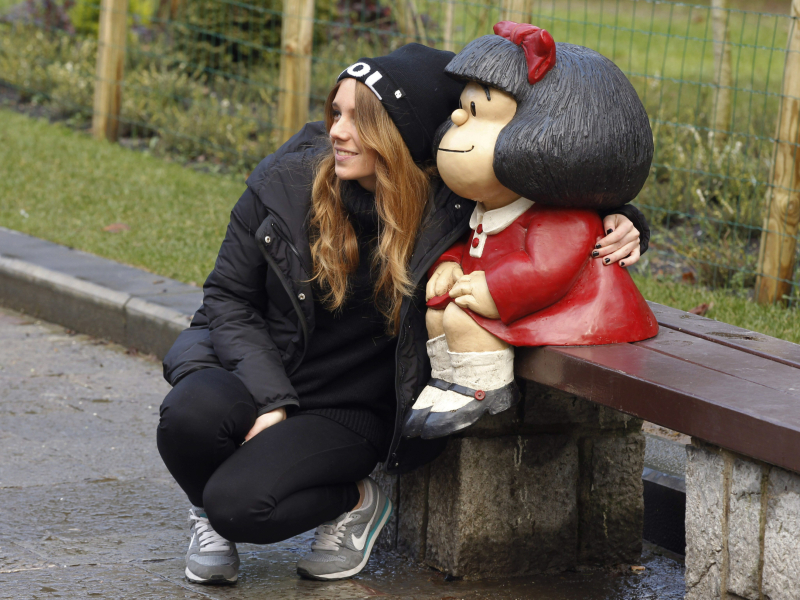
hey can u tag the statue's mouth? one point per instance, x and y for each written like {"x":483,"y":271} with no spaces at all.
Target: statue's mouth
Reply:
{"x":460,"y":151}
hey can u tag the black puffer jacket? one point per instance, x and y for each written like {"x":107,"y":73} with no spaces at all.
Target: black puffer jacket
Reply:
{"x":258,"y":309}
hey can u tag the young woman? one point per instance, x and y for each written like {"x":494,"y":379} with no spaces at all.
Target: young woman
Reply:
{"x":293,"y":381}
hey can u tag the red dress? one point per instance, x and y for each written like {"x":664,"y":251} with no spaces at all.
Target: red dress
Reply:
{"x":547,"y":287}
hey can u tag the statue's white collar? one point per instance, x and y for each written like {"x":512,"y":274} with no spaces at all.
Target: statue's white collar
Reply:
{"x":495,"y":221}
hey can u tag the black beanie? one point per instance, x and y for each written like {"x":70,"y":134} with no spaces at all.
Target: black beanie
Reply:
{"x":411,"y":84}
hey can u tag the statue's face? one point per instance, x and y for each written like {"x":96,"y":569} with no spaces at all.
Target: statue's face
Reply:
{"x":466,"y":152}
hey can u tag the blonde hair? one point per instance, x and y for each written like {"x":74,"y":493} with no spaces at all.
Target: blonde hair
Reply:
{"x":401,"y":193}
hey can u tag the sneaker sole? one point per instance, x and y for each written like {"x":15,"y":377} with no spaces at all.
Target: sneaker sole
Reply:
{"x":387,"y":513}
{"x":217,"y":581}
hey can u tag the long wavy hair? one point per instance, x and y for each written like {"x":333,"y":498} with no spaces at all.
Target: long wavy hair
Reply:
{"x":401,"y":193}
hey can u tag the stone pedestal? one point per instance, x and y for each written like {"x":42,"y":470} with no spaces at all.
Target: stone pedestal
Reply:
{"x":742,"y":527}
{"x":551,"y":485}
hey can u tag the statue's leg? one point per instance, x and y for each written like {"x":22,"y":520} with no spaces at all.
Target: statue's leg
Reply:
{"x":483,"y":376}
{"x":441,"y":371}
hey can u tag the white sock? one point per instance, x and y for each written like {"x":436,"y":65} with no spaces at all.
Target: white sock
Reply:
{"x":440,"y":369}
{"x":479,"y":371}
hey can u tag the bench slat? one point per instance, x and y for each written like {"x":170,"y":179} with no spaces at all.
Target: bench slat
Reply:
{"x":722,"y":409}
{"x":708,"y":354}
{"x":728,"y":335}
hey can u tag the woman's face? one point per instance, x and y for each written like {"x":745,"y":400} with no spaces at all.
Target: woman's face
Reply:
{"x":466,"y":152}
{"x":353,"y":161}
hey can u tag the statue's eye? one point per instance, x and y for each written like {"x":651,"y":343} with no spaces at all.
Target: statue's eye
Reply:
{"x":472,"y":108}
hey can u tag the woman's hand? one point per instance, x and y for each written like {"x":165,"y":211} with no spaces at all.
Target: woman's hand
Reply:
{"x":622,"y":244}
{"x":266,"y":420}
{"x":443,"y":278}
{"x":472,"y":292}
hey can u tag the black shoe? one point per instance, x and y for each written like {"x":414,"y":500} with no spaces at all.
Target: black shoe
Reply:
{"x":440,"y":424}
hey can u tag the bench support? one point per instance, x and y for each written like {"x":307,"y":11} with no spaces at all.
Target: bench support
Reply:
{"x":742,"y":527}
{"x":551,"y":485}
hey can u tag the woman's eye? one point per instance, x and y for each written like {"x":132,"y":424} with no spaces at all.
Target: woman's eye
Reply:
{"x":472,"y":108}
{"x":336,"y":114}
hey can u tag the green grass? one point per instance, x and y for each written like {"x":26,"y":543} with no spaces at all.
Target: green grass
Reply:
{"x":71,"y":186}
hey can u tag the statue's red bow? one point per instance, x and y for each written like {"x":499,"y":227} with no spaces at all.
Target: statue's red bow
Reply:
{"x":538,"y":45}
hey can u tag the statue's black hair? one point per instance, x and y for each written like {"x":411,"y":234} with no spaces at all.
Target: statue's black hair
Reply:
{"x":580,"y":136}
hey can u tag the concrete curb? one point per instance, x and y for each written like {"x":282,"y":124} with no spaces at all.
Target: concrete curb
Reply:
{"x":93,"y":295}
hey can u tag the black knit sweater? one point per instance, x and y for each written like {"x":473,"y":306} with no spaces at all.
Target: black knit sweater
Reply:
{"x":348,"y":371}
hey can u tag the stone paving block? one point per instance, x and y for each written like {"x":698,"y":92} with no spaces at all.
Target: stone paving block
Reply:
{"x":413,"y":519}
{"x":704,"y":520}
{"x":781,"y":557}
{"x":503,"y":506}
{"x":744,"y":519}
{"x":611,"y":499}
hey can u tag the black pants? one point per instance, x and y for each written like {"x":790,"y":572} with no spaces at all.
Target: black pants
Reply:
{"x":288,"y":479}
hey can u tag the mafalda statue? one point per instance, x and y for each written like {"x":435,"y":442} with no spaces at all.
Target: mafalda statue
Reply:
{"x":545,"y":135}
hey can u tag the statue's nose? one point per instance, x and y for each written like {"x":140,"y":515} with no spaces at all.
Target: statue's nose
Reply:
{"x":459,"y":117}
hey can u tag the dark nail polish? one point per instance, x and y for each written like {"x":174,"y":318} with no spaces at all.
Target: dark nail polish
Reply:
{"x":609,"y":232}
{"x":621,"y":264}
{"x":597,"y":246}
{"x":595,"y":253}
{"x":606,"y":260}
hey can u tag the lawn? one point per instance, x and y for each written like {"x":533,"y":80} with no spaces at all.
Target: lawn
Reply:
{"x":63,"y":186}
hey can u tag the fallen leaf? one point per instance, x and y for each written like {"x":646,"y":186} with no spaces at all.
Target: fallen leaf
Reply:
{"x":117,"y":228}
{"x":702,"y":309}
{"x":688,"y":277}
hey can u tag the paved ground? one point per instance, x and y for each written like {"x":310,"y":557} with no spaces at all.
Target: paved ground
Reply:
{"x":88,"y":510}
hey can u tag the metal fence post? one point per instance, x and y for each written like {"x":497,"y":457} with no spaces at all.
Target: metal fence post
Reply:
{"x":779,"y":238}
{"x":110,"y":66}
{"x":297,"y":36}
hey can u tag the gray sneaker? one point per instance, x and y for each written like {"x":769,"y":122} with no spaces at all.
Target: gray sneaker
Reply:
{"x":210,"y":558}
{"x":341,"y":548}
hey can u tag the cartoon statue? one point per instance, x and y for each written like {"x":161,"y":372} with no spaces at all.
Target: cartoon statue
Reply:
{"x":545,"y":135}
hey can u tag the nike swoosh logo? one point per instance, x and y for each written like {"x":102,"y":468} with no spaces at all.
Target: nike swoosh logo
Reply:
{"x":360,"y":542}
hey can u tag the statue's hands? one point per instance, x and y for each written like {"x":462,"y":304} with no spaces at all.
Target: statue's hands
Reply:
{"x":443,"y":278}
{"x":621,"y":243}
{"x":472,"y":292}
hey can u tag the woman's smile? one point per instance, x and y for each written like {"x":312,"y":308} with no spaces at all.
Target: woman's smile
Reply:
{"x":342,"y":154}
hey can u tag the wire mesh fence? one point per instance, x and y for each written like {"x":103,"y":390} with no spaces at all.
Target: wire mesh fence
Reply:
{"x":202,"y":83}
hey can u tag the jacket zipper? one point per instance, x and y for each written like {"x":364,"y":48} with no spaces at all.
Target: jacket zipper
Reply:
{"x":400,"y":411}
{"x":289,"y":292}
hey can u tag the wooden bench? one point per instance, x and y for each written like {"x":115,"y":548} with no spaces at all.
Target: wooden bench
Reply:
{"x":556,"y":484}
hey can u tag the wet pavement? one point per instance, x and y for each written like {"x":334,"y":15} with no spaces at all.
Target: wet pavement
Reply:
{"x":88,"y":510}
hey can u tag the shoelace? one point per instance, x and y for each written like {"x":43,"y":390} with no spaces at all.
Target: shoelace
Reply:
{"x":328,"y":536}
{"x":210,"y":540}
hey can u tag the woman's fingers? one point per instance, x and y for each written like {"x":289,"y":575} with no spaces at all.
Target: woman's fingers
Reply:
{"x":632,"y":259}
{"x":619,"y":227}
{"x":623,"y":236}
{"x":621,"y":253}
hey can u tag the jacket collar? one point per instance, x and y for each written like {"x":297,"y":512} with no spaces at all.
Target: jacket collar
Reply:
{"x":495,"y":221}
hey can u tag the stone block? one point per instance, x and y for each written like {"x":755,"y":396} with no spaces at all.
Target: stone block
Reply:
{"x":744,"y":529}
{"x":705,"y":505}
{"x":611,"y":501}
{"x":548,"y":407}
{"x":412,"y":522}
{"x":781,"y":577}
{"x":387,"y":540}
{"x":503,"y":506}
